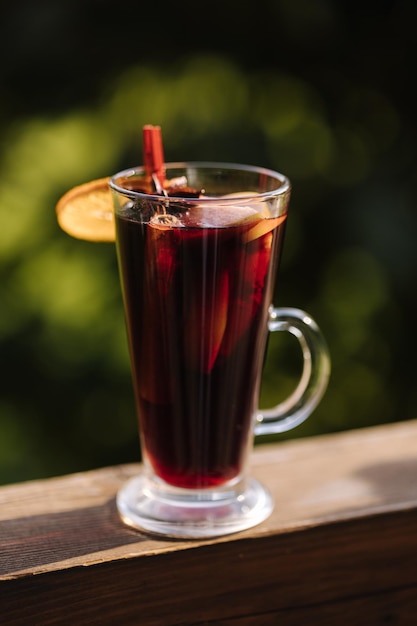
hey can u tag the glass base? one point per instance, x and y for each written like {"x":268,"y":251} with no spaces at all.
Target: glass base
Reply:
{"x":148,"y":506}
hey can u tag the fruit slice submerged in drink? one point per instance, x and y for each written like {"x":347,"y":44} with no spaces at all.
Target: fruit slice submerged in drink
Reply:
{"x":251,"y":262}
{"x":237,"y":242}
{"x":212,"y":234}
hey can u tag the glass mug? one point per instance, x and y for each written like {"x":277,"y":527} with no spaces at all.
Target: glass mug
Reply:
{"x":198,"y":269}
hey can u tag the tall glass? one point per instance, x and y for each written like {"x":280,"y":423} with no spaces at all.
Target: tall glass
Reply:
{"x":198,"y":270}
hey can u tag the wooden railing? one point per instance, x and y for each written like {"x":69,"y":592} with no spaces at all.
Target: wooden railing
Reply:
{"x":340,"y":547}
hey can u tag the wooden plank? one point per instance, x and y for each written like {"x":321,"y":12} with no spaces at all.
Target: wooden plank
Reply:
{"x":341,"y":542}
{"x":305,"y":572}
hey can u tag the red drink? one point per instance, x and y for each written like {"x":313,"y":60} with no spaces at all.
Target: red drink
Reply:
{"x":197,"y":289}
{"x":198,"y":257}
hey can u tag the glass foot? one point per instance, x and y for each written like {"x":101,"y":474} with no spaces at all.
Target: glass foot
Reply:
{"x":192,"y":513}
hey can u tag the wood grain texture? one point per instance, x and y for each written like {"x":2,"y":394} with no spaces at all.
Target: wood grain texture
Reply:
{"x":339,"y":548}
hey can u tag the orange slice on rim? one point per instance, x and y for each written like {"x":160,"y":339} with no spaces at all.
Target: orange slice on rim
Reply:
{"x":86,"y":211}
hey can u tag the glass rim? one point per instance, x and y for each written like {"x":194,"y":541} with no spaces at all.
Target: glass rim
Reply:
{"x":283,"y":188}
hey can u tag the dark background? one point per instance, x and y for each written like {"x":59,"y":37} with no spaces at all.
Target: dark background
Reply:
{"x":323,"y":91}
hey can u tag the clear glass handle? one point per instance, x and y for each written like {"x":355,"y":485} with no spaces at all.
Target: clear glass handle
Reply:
{"x":313,"y":383}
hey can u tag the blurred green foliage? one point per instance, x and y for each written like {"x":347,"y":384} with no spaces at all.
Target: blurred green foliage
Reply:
{"x":345,"y":141}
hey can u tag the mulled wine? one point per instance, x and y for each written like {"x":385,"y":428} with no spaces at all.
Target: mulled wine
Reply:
{"x":197,"y":285}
